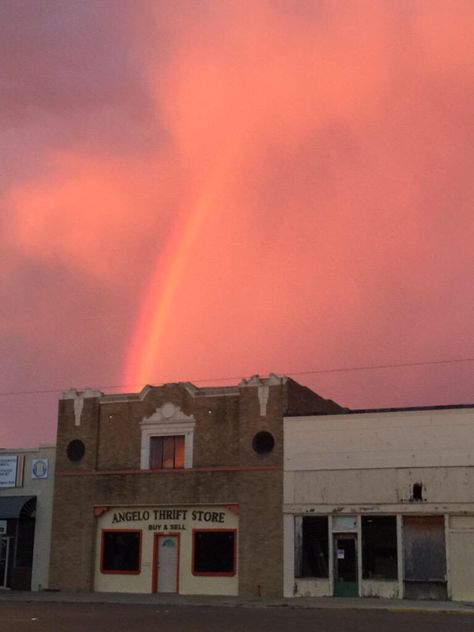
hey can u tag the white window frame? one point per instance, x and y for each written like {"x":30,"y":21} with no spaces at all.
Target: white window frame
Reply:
{"x":167,"y":421}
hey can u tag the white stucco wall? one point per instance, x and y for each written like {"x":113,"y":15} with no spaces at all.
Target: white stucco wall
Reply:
{"x":142,"y":582}
{"x":434,"y":438}
{"x":43,"y":489}
{"x":373,"y":459}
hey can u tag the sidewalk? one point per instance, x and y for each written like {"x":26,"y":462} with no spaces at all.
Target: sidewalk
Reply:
{"x":398,"y":605}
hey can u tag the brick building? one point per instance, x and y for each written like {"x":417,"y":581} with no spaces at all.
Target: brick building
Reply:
{"x":175,"y":488}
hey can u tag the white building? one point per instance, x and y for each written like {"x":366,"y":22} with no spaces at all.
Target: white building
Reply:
{"x":380,"y":503}
{"x":26,"y":502}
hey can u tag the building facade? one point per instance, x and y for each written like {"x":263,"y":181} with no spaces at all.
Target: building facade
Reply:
{"x":26,"y":502}
{"x":174,"y":489}
{"x":380,"y":503}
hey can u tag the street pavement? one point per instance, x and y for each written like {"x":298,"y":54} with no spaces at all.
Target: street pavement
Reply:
{"x":48,"y":616}
{"x":96,"y":612}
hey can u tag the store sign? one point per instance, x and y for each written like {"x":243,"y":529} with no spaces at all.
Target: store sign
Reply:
{"x":3,"y":527}
{"x":39,"y":468}
{"x":8,"y":468}
{"x":170,"y":519}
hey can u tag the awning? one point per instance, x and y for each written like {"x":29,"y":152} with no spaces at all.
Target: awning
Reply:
{"x":11,"y":506}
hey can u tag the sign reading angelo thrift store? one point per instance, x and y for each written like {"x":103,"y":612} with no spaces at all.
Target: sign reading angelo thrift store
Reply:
{"x":169,"y":519}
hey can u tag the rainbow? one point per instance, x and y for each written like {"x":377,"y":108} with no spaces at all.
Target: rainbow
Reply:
{"x":143,"y":358}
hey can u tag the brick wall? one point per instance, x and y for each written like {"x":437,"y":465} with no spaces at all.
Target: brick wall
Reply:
{"x":226,"y":422}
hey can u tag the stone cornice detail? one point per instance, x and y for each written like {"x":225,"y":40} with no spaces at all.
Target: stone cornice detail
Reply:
{"x":167,"y":414}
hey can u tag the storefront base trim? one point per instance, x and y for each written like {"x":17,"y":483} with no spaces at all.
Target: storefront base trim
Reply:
{"x":312,"y":587}
{"x":384,"y":589}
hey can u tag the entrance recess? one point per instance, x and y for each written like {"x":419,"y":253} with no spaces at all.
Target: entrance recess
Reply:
{"x":4,"y":557}
{"x":167,"y":560}
{"x":345,"y":565}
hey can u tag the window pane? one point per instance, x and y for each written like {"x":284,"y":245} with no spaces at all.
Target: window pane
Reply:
{"x":312,"y":552}
{"x":156,"y":453}
{"x":168,"y":453}
{"x":121,"y":551}
{"x":214,"y":552}
{"x":179,"y":451}
{"x":379,"y":547}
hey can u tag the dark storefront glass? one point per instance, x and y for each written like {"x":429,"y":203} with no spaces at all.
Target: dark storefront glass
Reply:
{"x":312,"y":550}
{"x":214,"y":552}
{"x":121,"y":551}
{"x":379,"y":547}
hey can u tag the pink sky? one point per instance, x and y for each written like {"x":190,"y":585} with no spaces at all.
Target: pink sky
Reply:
{"x":199,"y":189}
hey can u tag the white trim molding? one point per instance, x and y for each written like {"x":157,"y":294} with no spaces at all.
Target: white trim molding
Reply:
{"x":169,"y":420}
{"x":263,"y":388}
{"x":78,"y":397}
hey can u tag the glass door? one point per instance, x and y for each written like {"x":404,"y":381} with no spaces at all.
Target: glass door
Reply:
{"x":345,"y":565}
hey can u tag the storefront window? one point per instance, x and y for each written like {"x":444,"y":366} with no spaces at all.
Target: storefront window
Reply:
{"x":121,"y":552}
{"x":379,"y":547}
{"x":311,"y":546}
{"x":214,"y":552}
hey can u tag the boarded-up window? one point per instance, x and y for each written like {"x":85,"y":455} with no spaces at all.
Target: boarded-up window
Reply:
{"x":425,"y":548}
{"x":311,"y":546}
{"x":379,"y":547}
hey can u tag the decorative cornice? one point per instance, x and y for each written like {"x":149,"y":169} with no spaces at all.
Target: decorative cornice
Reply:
{"x":272,"y":380}
{"x":78,"y":398}
{"x":168,"y":413}
{"x":86,"y":393}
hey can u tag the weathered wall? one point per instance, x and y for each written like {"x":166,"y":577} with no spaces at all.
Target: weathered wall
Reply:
{"x":427,"y":438}
{"x":389,"y":486}
{"x":461,"y":557}
{"x":368,"y":460}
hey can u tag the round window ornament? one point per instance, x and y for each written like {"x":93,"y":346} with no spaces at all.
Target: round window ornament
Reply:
{"x":75,"y":450}
{"x":263,"y":442}
{"x":168,"y":410}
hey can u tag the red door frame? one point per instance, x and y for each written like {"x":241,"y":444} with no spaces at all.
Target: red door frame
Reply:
{"x":154,"y":575}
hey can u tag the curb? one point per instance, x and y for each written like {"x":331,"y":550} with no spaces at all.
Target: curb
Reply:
{"x":125,"y":599}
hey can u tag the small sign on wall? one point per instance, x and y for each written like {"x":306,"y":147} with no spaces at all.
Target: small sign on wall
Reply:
{"x":3,"y":527}
{"x":8,"y":469}
{"x":39,"y":468}
{"x":344,"y":523}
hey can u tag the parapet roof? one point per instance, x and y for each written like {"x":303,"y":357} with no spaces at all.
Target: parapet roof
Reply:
{"x":361,"y":411}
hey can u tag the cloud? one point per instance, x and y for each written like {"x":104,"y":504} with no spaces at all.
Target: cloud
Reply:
{"x":90,"y":214}
{"x":271,"y":185}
